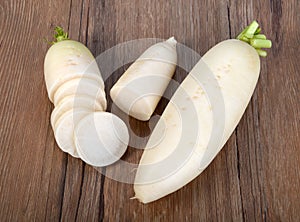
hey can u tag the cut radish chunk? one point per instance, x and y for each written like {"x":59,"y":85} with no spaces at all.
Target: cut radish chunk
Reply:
{"x":140,"y":88}
{"x":81,"y":86}
{"x":64,"y":130}
{"x":101,"y":138}
{"x":68,"y":57}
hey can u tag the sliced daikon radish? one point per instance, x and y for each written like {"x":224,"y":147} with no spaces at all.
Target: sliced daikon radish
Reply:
{"x":68,"y":57}
{"x":140,"y":88}
{"x":80,"y":86}
{"x":74,"y":102}
{"x":101,"y":138}
{"x":64,"y":130}
{"x":67,"y":77}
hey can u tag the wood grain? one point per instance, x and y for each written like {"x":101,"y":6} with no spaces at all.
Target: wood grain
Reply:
{"x":255,"y":177}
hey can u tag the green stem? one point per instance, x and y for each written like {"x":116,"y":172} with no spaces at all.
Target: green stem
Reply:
{"x":260,"y":43}
{"x":261,"y":52}
{"x":257,"y":31}
{"x":59,"y":36}
{"x":260,"y":36}
{"x":251,"y":29}
{"x":251,"y":35}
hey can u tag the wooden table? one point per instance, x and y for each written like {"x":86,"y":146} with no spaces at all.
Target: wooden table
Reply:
{"x":255,"y":177}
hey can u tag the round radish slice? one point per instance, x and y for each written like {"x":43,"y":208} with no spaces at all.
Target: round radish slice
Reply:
{"x":101,"y":138}
{"x":81,"y":86}
{"x":64,"y":130}
{"x":74,"y":102}
{"x":85,"y":101}
{"x":52,"y":88}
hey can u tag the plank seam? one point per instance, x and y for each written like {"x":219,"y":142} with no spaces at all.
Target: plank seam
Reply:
{"x":228,"y":17}
{"x":239,"y":172}
{"x":63,"y":191}
{"x":80,"y":192}
{"x":101,"y":201}
{"x":87,"y":24}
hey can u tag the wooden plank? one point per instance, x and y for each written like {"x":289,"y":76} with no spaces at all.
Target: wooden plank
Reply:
{"x":279,"y":111}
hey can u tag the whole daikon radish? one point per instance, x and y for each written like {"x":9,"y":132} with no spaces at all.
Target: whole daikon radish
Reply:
{"x":188,"y":121}
{"x":140,"y":88}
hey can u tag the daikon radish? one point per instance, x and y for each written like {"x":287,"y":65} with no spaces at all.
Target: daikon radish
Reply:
{"x":101,"y":138}
{"x":75,"y":102}
{"x":80,"y":86}
{"x":140,"y":88}
{"x":67,"y":59}
{"x":64,"y":130}
{"x":188,"y":119}
{"x":76,"y":88}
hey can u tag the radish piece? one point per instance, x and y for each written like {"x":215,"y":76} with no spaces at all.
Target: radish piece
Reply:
{"x":101,"y":138}
{"x":65,"y":78}
{"x":80,"y":86}
{"x":86,"y":101}
{"x":140,"y":88}
{"x":74,"y":102}
{"x":64,"y":130}
{"x":235,"y":66}
{"x":68,"y":57}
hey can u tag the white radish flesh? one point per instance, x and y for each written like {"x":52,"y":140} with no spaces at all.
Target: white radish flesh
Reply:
{"x":80,"y":86}
{"x":140,"y":88}
{"x":101,"y":138}
{"x":66,"y":58}
{"x":74,"y":102}
{"x":235,"y":65}
{"x":64,"y":130}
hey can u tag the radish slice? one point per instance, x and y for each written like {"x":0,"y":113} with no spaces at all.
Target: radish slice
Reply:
{"x":65,"y":78}
{"x":68,"y":57}
{"x":74,"y":102}
{"x":87,"y":102}
{"x":101,"y":138}
{"x":80,"y":87}
{"x":64,"y":130}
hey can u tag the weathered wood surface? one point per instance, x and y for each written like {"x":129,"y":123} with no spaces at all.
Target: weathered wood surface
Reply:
{"x":255,"y":177}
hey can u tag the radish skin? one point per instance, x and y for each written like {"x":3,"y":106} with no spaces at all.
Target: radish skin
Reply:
{"x":140,"y":88}
{"x":236,"y":67}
